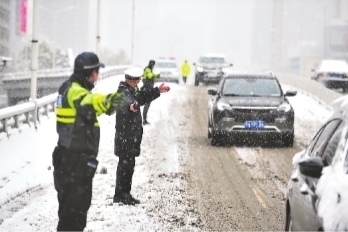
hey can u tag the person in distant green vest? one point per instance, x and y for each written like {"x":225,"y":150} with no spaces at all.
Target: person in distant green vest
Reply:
{"x":148,"y":82}
{"x":185,"y":70}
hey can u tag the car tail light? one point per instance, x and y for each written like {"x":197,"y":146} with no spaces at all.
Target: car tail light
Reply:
{"x":321,"y":74}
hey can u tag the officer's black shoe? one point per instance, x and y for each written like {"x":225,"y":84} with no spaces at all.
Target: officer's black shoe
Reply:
{"x":136,"y":201}
{"x":145,"y":122}
{"x":125,"y":198}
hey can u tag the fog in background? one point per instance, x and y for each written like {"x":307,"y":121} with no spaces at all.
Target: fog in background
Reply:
{"x":286,"y":35}
{"x":179,"y":28}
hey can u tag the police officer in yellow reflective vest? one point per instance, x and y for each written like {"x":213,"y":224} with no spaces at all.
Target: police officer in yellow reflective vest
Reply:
{"x":185,"y":70}
{"x":74,"y":157}
{"x":148,"y":82}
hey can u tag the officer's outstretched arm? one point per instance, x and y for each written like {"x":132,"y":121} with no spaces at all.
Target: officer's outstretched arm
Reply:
{"x":88,"y":103}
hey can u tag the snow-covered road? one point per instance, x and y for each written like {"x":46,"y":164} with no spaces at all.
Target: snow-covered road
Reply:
{"x":28,"y":199}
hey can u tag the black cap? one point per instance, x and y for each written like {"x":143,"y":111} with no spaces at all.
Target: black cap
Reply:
{"x":87,"y":60}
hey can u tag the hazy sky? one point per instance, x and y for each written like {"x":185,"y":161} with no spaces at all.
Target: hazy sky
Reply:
{"x":180,"y":28}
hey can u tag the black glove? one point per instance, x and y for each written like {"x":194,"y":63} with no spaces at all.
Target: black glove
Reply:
{"x":114,"y":102}
{"x":158,"y":76}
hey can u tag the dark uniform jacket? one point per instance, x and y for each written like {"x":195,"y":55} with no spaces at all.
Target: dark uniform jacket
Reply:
{"x":76,"y":113}
{"x":129,"y":129}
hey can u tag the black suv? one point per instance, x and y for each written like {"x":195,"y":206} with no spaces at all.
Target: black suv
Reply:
{"x":317,"y":193}
{"x":250,"y":104}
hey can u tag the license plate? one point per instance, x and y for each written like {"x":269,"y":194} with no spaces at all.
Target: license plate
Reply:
{"x":336,"y":75}
{"x":254,"y":125}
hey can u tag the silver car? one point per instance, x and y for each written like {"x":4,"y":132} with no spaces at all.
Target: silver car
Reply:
{"x":210,"y":68}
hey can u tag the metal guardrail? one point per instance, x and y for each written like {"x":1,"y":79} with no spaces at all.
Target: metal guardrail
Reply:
{"x":31,"y":112}
{"x":311,"y":87}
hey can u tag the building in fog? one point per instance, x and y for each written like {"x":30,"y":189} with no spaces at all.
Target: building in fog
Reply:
{"x":261,"y":34}
{"x":62,"y":25}
{"x":311,"y":30}
{"x":65,"y":24}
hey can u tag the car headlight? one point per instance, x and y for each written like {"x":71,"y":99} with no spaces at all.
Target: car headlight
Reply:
{"x":200,"y":69}
{"x":223,"y":106}
{"x":285,"y":107}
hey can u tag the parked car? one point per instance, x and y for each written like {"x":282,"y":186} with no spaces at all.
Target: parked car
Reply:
{"x":250,"y":104}
{"x":168,"y":70}
{"x":332,"y":74}
{"x":317,"y":193}
{"x":210,"y":68}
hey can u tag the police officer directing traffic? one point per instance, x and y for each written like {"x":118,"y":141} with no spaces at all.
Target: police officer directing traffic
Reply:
{"x":74,"y":157}
{"x":148,"y":82}
{"x":129,"y":131}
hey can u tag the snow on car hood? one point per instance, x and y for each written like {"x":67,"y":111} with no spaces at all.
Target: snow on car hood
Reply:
{"x":254,"y":101}
{"x":332,"y":191}
{"x":166,"y":70}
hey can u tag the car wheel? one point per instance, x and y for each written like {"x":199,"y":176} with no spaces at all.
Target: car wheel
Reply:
{"x":216,"y":139}
{"x":288,"y":140}
{"x":196,"y":81}
{"x":288,"y":223}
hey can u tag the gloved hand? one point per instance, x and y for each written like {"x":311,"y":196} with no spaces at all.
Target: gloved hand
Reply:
{"x":114,"y":102}
{"x":158,"y":76}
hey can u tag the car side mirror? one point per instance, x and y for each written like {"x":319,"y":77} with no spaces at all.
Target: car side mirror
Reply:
{"x":194,"y":64}
{"x":311,"y":167}
{"x":312,"y":70}
{"x":231,"y":64}
{"x":291,"y":93}
{"x":212,"y":92}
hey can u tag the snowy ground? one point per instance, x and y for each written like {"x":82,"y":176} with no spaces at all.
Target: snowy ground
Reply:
{"x":158,"y":180}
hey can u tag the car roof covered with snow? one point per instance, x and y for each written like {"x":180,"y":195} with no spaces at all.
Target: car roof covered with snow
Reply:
{"x":217,"y":55}
{"x":333,"y":66}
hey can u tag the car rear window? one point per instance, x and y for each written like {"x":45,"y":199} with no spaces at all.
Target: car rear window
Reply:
{"x":212,"y":60}
{"x":251,"y":86}
{"x":166,"y":65}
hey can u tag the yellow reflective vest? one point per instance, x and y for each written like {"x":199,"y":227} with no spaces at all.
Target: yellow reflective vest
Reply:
{"x":185,"y":69}
{"x":148,"y":74}
{"x":76,"y":114}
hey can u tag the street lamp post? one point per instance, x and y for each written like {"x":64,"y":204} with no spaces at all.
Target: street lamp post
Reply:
{"x":133,"y":18}
{"x":34,"y":60}
{"x":98,"y":29}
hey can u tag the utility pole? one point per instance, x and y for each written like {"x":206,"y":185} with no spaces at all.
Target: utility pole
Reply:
{"x":132,"y":50}
{"x":98,"y":29}
{"x":34,"y":60}
{"x":34,"y":54}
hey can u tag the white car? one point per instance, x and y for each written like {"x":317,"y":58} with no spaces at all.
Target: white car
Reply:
{"x":317,"y":193}
{"x":332,"y":73}
{"x":168,"y":70}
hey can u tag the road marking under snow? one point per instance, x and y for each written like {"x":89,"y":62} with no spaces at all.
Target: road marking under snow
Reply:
{"x":261,"y":197}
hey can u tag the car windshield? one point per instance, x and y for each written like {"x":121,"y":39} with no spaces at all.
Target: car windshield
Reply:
{"x":166,"y":65}
{"x":251,"y":86}
{"x":212,"y":60}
